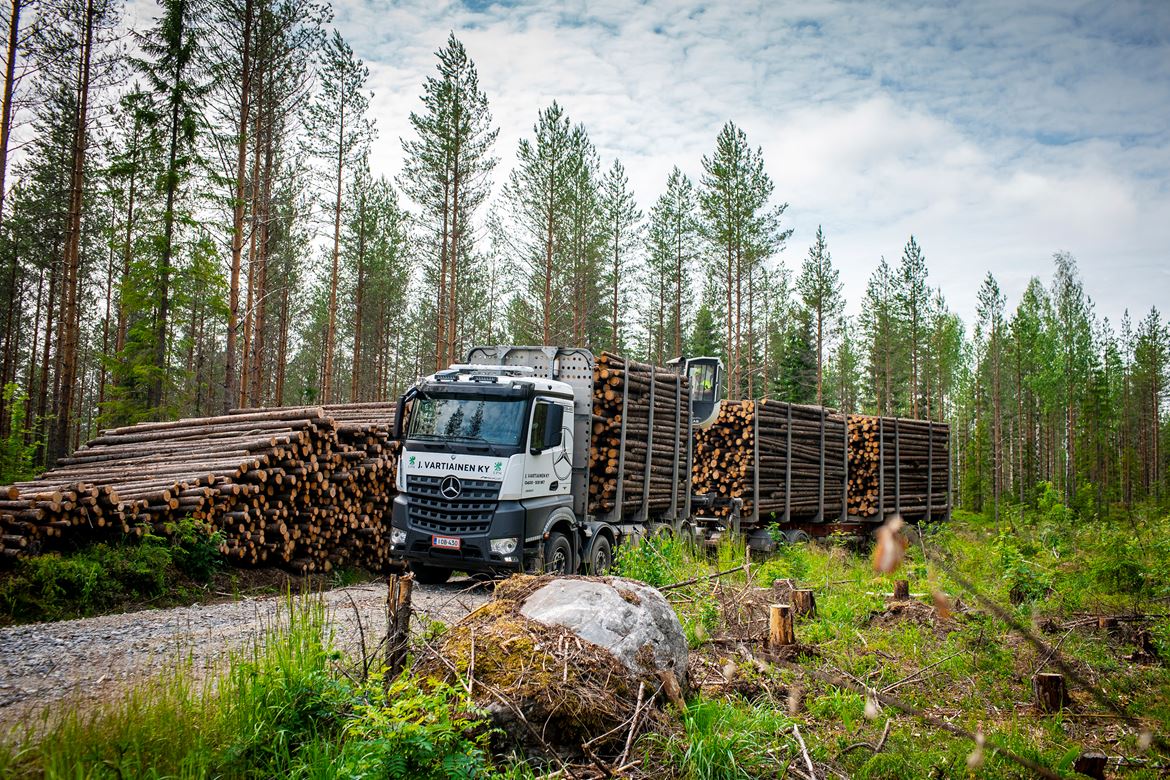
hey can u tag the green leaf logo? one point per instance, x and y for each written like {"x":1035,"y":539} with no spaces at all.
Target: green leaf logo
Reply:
{"x":411,"y":460}
{"x":499,"y":466}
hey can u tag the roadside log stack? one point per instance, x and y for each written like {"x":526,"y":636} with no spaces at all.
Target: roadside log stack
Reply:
{"x":304,"y":487}
{"x":786,"y":460}
{"x":641,"y":423}
{"x":898,"y":465}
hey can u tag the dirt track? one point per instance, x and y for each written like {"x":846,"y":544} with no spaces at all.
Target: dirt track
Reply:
{"x":90,"y":659}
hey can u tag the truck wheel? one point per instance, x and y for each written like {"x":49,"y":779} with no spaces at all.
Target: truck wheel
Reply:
{"x":600,"y":556}
{"x":796,"y":536}
{"x":558,"y":554}
{"x":430,"y":575}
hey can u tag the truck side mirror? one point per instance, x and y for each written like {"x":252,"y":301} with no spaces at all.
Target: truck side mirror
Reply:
{"x":400,"y":412}
{"x":553,"y":421}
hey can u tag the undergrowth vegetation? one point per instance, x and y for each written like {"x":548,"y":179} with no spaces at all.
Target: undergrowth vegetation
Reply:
{"x":106,"y":576}
{"x":292,"y":706}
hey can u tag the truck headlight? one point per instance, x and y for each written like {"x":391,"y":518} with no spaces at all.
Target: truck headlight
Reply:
{"x":397,"y":536}
{"x":504,"y":546}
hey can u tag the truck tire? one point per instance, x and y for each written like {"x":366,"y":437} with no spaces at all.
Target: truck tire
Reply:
{"x":430,"y":575}
{"x":600,"y":556}
{"x":558,"y":554}
{"x":797,"y":536}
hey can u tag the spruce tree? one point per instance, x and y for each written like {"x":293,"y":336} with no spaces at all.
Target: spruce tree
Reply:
{"x":170,"y":51}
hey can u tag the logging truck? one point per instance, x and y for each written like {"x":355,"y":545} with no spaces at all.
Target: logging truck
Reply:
{"x":504,"y":458}
{"x":546,"y":458}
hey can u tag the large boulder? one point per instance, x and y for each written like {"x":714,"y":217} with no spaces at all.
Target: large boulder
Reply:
{"x":626,"y":617}
{"x":560,"y":661}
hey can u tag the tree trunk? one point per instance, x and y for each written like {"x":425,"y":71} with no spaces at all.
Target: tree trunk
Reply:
{"x":9,"y":87}
{"x":264,"y":245}
{"x":678,"y":272}
{"x":355,"y":384}
{"x":456,"y":227}
{"x":330,"y":331}
{"x":441,"y":356}
{"x":68,"y":332}
{"x":253,"y":234}
{"x":548,"y":256}
{"x":281,"y":348}
{"x":230,"y":379}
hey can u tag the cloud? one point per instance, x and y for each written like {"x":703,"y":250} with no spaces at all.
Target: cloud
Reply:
{"x":995,"y":133}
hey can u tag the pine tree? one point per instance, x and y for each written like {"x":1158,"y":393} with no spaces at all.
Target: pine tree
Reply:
{"x":537,"y":198}
{"x":913,"y":299}
{"x":797,"y":377}
{"x":744,"y":232}
{"x":622,"y":221}
{"x":989,"y":336}
{"x":446,"y":173}
{"x":819,"y":286}
{"x":341,"y":130}
{"x":582,"y":246}
{"x":672,"y":248}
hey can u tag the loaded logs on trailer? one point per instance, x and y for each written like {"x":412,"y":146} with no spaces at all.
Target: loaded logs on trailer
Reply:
{"x":785,"y":460}
{"x":898,"y":466}
{"x":308,"y":487}
{"x":638,"y":410}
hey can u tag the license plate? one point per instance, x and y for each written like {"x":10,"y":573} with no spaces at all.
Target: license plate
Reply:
{"x":446,"y":542}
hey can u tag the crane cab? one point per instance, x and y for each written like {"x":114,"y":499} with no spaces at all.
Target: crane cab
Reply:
{"x":706,"y":380}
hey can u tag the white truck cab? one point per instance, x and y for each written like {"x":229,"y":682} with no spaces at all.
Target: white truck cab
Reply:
{"x":486,"y":463}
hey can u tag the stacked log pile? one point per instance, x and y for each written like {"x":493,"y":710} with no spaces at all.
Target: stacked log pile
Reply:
{"x":898,"y":465}
{"x":305,"y":487}
{"x":801,"y":466}
{"x":656,"y":425}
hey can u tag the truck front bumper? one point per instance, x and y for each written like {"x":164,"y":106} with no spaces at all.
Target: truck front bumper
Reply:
{"x":474,"y":553}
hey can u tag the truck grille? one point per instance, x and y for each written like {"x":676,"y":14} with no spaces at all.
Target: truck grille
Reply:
{"x":470,"y":513}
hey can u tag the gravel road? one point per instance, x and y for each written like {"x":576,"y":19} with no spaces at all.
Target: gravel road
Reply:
{"x":90,"y":659}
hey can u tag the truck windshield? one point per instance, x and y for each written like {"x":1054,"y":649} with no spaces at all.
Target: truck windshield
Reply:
{"x":488,"y":420}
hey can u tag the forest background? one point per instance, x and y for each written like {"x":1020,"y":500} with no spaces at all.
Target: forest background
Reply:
{"x":189,"y":223}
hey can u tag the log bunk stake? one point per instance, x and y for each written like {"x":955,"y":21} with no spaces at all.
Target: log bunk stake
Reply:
{"x":784,"y":461}
{"x":898,"y":465}
{"x":641,"y":427}
{"x":308,"y":488}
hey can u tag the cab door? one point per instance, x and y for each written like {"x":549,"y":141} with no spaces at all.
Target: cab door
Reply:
{"x":549,"y":469}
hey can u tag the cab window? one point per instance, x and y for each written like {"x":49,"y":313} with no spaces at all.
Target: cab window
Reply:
{"x":539,"y":419}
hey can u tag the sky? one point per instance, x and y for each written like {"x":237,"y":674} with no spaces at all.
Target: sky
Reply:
{"x":997,"y":133}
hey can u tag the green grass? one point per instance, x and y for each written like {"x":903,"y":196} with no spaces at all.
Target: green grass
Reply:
{"x":724,"y":740}
{"x":286,"y":708}
{"x":282,"y":708}
{"x":1049,"y":569}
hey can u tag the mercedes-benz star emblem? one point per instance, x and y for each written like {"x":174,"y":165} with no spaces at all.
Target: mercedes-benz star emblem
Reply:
{"x":450,"y":487}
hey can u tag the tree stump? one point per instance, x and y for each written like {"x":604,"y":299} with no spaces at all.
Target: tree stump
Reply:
{"x":781,"y":631}
{"x":397,"y":622}
{"x":901,"y":590}
{"x":1051,"y":692}
{"x":1091,"y":764}
{"x":1107,"y":624}
{"x":804,"y":602}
